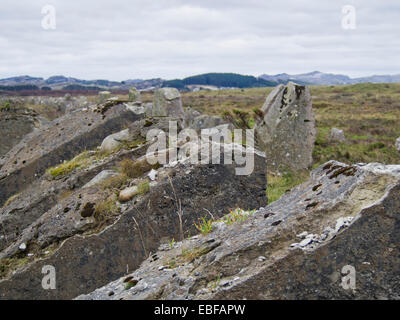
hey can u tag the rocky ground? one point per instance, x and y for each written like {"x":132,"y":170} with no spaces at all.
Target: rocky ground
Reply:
{"x":294,"y":248}
{"x":77,"y":192}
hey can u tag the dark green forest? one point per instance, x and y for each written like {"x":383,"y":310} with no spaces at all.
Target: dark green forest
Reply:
{"x":220,"y":80}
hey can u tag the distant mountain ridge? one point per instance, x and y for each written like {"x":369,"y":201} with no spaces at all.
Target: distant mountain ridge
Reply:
{"x":212,"y":80}
{"x":60,"y":82}
{"x":320,"y":78}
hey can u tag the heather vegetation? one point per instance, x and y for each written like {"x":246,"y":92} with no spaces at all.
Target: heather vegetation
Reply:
{"x":368,"y":113}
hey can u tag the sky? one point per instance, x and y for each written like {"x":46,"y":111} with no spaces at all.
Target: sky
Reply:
{"x":142,"y":39}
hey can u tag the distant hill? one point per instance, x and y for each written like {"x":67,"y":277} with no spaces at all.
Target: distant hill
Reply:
{"x":203,"y":81}
{"x":320,"y":78}
{"x":220,"y":80}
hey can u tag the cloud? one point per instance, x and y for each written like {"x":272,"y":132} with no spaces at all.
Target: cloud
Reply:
{"x":120,"y":40}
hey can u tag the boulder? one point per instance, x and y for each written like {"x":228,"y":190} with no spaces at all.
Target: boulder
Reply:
{"x":103,"y":175}
{"x":337,"y":135}
{"x":134,"y":95}
{"x":148,"y":109}
{"x":190,"y":114}
{"x":127,"y":194}
{"x":398,"y":144}
{"x":303,"y":246}
{"x":103,"y":96}
{"x":114,"y":140}
{"x":205,"y":122}
{"x":167,"y":102}
{"x":287,"y":130}
{"x":87,"y":253}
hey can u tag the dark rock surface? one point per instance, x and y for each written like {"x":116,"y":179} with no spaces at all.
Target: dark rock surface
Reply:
{"x":14,"y":125}
{"x":86,"y":258}
{"x":295,"y":248}
{"x":60,"y":140}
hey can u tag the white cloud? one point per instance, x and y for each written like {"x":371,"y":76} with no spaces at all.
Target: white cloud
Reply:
{"x":119,"y":39}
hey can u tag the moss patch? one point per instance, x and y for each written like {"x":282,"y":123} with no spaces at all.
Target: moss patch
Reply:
{"x":279,"y":185}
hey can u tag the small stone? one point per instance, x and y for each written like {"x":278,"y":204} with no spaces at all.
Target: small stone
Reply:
{"x":262,"y":259}
{"x":323,"y":237}
{"x":328,"y":230}
{"x":152,"y":174}
{"x":202,"y":291}
{"x":337,"y":135}
{"x":305,"y":242}
{"x":302,"y":235}
{"x":127,"y":194}
{"x":22,"y":247}
{"x":134,"y":95}
{"x":342,"y":222}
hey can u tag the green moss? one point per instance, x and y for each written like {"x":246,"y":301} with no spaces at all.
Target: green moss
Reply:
{"x":10,"y":264}
{"x":214,"y":284}
{"x":189,"y":255}
{"x":143,"y":187}
{"x":6,"y":106}
{"x":114,"y":182}
{"x":237,"y":215}
{"x":11,"y":199}
{"x":130,"y":284}
{"x":204,"y":226}
{"x":83,"y":160}
{"x":106,"y":209}
{"x":135,"y":169}
{"x":279,"y":185}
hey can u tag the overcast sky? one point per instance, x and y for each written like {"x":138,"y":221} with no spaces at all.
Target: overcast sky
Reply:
{"x":121,"y":39}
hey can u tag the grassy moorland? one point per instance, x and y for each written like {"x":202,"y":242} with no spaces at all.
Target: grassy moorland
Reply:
{"x":369,"y":114}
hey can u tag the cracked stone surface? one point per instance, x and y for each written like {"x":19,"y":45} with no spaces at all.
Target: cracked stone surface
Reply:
{"x":55,"y":142}
{"x":346,"y":215}
{"x":86,"y":259}
{"x":287,"y":131}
